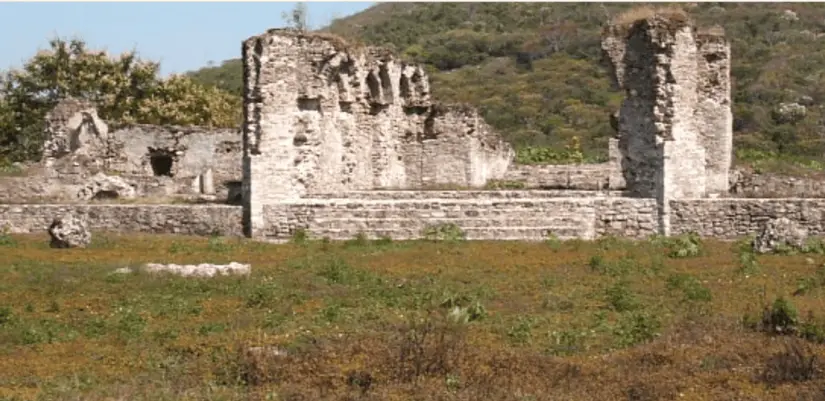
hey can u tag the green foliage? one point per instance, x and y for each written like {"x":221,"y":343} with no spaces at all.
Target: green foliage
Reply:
{"x":748,"y":263}
{"x":616,"y":268}
{"x":620,"y":297}
{"x":685,"y":246}
{"x":781,"y":317}
{"x":690,"y":286}
{"x":6,"y":240}
{"x":444,"y":232}
{"x":522,"y":331}
{"x":572,"y":154}
{"x":636,"y":328}
{"x":125,"y":89}
{"x":810,"y":283}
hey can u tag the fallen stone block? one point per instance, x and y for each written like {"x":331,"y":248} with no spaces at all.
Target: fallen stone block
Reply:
{"x":779,"y":234}
{"x":69,"y":231}
{"x":200,"y":270}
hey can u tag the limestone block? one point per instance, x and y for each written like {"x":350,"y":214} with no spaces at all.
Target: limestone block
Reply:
{"x":103,"y":186}
{"x":69,"y":231}
{"x":200,"y":270}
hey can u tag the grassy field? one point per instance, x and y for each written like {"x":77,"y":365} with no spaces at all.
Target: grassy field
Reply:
{"x":381,"y":320}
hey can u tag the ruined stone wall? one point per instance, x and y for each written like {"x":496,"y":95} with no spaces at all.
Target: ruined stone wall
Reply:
{"x":321,"y":117}
{"x":592,"y":177}
{"x":746,"y":183}
{"x":155,"y":219}
{"x":731,"y":218}
{"x":663,"y":153}
{"x":481,"y":217}
{"x":196,"y":154}
{"x":675,"y":125}
{"x":162,"y":160}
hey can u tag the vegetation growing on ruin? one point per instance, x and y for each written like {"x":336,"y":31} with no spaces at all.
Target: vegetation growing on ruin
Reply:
{"x":667,"y":318}
{"x":125,"y":88}
{"x":534,"y":71}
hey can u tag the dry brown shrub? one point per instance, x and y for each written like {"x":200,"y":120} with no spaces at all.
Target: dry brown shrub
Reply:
{"x":795,"y":363}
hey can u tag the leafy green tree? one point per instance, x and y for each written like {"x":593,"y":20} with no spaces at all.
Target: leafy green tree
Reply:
{"x":125,"y":89}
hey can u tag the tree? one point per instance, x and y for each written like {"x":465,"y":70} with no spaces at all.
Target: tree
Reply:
{"x":125,"y":89}
{"x":297,"y":18}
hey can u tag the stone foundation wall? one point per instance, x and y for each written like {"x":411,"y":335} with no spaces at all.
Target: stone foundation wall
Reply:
{"x":730,"y":218}
{"x":157,"y":219}
{"x":483,"y":215}
{"x":493,"y":216}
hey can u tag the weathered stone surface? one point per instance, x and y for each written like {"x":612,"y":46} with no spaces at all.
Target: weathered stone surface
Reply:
{"x":778,"y":234}
{"x":200,"y":270}
{"x":103,"y":186}
{"x":714,"y":114}
{"x":747,"y":183}
{"x":678,"y":106}
{"x":731,"y":218}
{"x":323,"y":117}
{"x":129,"y":218}
{"x":69,"y":231}
{"x":573,"y":177}
{"x":73,"y":127}
{"x":480,"y":216}
{"x":79,"y":144}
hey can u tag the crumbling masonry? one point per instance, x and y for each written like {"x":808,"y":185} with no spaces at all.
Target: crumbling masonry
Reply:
{"x":320,"y":117}
{"x":675,"y":128}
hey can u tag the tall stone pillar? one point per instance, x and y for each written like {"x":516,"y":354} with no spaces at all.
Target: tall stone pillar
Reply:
{"x":664,"y":155}
{"x":713,"y":113}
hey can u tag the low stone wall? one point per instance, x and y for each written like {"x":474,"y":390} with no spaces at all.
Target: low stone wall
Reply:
{"x":158,"y":219}
{"x":467,"y":194}
{"x":491,"y":216}
{"x":747,"y":184}
{"x":576,"y":177}
{"x":731,"y":218}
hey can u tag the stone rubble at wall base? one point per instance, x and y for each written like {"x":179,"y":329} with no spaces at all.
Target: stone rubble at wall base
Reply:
{"x":780,"y":234}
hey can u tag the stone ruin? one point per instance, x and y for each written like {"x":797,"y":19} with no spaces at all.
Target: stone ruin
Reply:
{"x":83,"y":160}
{"x":675,"y":126}
{"x":325,"y":118}
{"x":339,"y":141}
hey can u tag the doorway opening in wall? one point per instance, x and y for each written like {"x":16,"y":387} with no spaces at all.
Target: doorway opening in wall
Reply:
{"x":161,"y":164}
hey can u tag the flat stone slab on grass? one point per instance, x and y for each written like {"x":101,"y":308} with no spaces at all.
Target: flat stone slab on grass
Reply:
{"x":199,"y":270}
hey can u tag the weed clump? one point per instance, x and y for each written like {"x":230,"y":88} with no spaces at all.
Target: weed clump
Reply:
{"x":449,"y":232}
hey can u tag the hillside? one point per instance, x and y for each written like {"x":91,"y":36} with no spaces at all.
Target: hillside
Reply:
{"x":535,"y":72}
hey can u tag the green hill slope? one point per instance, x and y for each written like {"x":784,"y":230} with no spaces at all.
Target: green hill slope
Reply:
{"x":535,"y":72}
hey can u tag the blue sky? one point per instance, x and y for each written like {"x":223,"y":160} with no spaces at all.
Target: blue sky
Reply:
{"x":182,"y":36}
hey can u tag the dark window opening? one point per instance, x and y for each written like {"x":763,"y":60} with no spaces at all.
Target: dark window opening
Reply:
{"x":161,"y":165}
